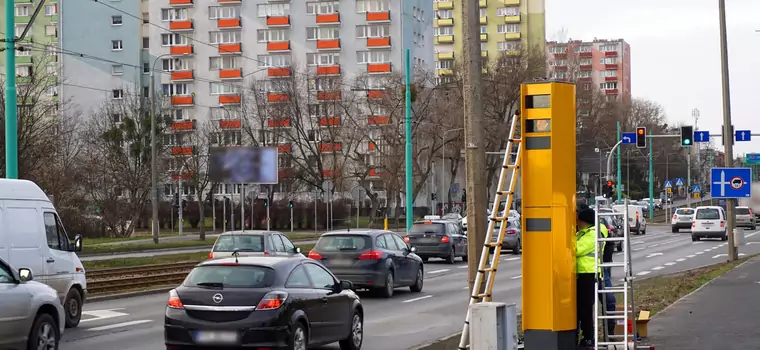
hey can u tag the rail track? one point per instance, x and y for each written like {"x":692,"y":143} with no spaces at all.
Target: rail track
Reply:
{"x":112,"y":280}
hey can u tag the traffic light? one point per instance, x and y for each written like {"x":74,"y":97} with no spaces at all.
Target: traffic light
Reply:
{"x":641,"y":137}
{"x":608,"y":189}
{"x":176,"y":199}
{"x":266,"y":202}
{"x":290,"y":204}
{"x":464,"y":195}
{"x":433,"y":196}
{"x":687,"y":135}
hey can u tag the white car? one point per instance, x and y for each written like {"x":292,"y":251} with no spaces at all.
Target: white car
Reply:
{"x":682,"y":219}
{"x":709,"y":222}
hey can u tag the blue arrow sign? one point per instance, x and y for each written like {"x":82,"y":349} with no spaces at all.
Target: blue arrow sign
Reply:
{"x":679,"y":182}
{"x":668,"y":184}
{"x":697,"y":189}
{"x":628,"y":138}
{"x":743,"y":135}
{"x":701,"y":136}
{"x":730,"y":182}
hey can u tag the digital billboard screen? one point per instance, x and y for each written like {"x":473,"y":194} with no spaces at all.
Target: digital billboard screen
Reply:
{"x":243,"y":165}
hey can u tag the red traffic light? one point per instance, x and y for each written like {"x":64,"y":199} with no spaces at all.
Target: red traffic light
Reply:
{"x":640,"y":131}
{"x":609,"y":183}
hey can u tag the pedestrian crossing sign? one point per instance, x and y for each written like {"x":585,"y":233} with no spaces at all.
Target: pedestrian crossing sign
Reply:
{"x":670,"y":190}
{"x":668,"y":184}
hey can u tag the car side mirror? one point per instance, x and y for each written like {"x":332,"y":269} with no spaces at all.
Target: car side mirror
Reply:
{"x":345,"y":285}
{"x":25,"y":274}
{"x":297,"y":250}
{"x":78,"y":243}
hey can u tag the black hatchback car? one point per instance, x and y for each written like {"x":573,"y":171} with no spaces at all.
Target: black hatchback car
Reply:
{"x":263,"y":302}
{"x":438,"y":239}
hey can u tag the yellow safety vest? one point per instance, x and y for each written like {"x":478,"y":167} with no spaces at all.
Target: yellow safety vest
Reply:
{"x":584,"y":249}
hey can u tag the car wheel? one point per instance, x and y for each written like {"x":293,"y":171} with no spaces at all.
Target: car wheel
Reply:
{"x":518,"y":248}
{"x":356,"y":336}
{"x":44,"y":333}
{"x":417,"y":286}
{"x":425,"y":259}
{"x":73,"y":308}
{"x":298,"y":338}
{"x":464,"y":257}
{"x":694,"y":238}
{"x":724,"y":238}
{"x":675,"y":230}
{"x":450,"y":258}
{"x":387,"y":290}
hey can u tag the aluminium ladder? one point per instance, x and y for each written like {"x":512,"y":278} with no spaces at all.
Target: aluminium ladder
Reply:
{"x":487,"y":269}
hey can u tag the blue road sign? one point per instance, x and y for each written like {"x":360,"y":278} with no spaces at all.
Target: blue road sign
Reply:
{"x":628,"y":138}
{"x":743,"y":135}
{"x":696,"y":188}
{"x":668,"y":184}
{"x":454,"y":187}
{"x":679,"y":182}
{"x":701,"y":136}
{"x":730,"y":182}
{"x":753,"y":158}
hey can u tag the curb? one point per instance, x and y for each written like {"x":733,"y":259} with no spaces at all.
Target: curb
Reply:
{"x":418,"y":347}
{"x":129,"y":294}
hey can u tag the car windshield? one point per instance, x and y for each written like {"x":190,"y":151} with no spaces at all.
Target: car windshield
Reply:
{"x":427,"y":227}
{"x":450,"y":216}
{"x":742,"y":211}
{"x":685,"y":212}
{"x":708,"y":214}
{"x":243,"y":243}
{"x":338,"y":243}
{"x":230,"y":276}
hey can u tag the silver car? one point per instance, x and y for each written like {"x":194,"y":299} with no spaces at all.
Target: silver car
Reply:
{"x":745,"y":218}
{"x":31,"y":315}
{"x":682,"y":219}
{"x":253,"y":243}
{"x":512,"y":236}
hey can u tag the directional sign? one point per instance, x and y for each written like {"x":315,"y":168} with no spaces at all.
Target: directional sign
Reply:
{"x":679,"y":182}
{"x":753,"y":158}
{"x":743,"y":135}
{"x":628,"y":138}
{"x":668,"y":184}
{"x":696,"y":189}
{"x":701,"y":136}
{"x":730,"y":182}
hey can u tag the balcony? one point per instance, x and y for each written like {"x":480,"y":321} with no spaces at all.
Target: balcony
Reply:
{"x":182,"y":151}
{"x":278,"y":123}
{"x":611,"y":92}
{"x":233,"y":49}
{"x":229,"y":99}
{"x":443,"y":5}
{"x":25,"y":59}
{"x":512,"y":36}
{"x":182,"y":100}
{"x":184,"y":125}
{"x":181,"y":2}
{"x":384,"y":16}
{"x":585,"y":54}
{"x":232,"y":74}
{"x":181,"y":25}
{"x":484,"y":53}
{"x":483,"y":20}
{"x":378,"y":68}
{"x":328,"y":95}
{"x":483,"y":3}
{"x":444,"y":39}
{"x":230,"y":124}
{"x":378,"y":42}
{"x":371,"y":146}
{"x":278,"y":97}
{"x":181,"y":50}
{"x":376,"y":94}
{"x":378,"y":120}
{"x":279,"y":72}
{"x":230,"y":1}
{"x":585,"y":67}
{"x":511,"y":2}
{"x":562,"y":68}
{"x":328,"y":70}
{"x":610,"y":53}
{"x":284,"y":148}
{"x":182,"y":75}
{"x":329,"y":44}
{"x":330,"y":147}
{"x":610,"y":78}
{"x":484,"y":37}
{"x":513,"y":52}
{"x":512,"y":19}
{"x":444,"y":71}
{"x":612,"y":66}
{"x":375,"y":172}
{"x":329,"y":121}
{"x":328,"y":173}
{"x":186,"y":176}
{"x":444,"y":22}
{"x":442,"y":56}
{"x":229,"y":23}
{"x":331,"y":18}
{"x":278,"y":21}
{"x":278,"y":46}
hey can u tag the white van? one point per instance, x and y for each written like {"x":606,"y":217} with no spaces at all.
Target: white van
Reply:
{"x":32,"y":236}
{"x":637,"y":223}
{"x":709,"y":222}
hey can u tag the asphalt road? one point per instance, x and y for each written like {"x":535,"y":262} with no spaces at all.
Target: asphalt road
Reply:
{"x":407,"y":319}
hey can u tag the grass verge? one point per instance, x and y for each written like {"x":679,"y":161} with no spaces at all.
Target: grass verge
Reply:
{"x":652,"y":294}
{"x":90,"y":249}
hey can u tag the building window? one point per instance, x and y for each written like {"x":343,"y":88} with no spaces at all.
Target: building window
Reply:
{"x":223,"y":89}
{"x":583,"y":48}
{"x":24,"y":51}
{"x":440,"y":31}
{"x":322,"y":59}
{"x":267,"y":35}
{"x":273,"y":61}
{"x":223,"y":12}
{"x":223,"y":62}
{"x":508,"y":11}
{"x":608,"y":86}
{"x":146,"y":17}
{"x":51,"y":30}
{"x":364,"y":57}
{"x":608,"y":48}
{"x":483,"y":13}
{"x":322,"y":33}
{"x":363,"y":6}
{"x":225,"y":37}
{"x":146,"y":68}
{"x":174,"y":64}
{"x":444,"y":14}
{"x":117,"y":69}
{"x":508,"y":28}
{"x":117,"y":45}
{"x":51,"y":10}
{"x":608,"y":60}
{"x":22,"y":10}
{"x":173,"y":39}
{"x":268,"y":10}
{"x":373,"y":31}
{"x":116,"y":118}
{"x":116,"y":20}
{"x":146,"y":43}
{"x":322,"y":7}
{"x":173,"y":15}
{"x":175,"y":89}
{"x":117,"y":94}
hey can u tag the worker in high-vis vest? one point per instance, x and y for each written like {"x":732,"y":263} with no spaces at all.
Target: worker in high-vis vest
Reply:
{"x":587,"y":271}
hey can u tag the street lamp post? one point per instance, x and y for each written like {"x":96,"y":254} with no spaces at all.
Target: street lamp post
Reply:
{"x":153,"y":162}
{"x":443,"y":163}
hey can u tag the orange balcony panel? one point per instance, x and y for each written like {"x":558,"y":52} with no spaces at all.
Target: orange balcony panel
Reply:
{"x":180,"y":25}
{"x":182,"y":75}
{"x":330,"y":147}
{"x":231,"y":48}
{"x":610,"y":79}
{"x":230,"y":73}
{"x":376,"y":172}
{"x":279,"y":72}
{"x":284,"y":148}
{"x":584,"y":80}
{"x":328,"y":44}
{"x":186,"y":176}
{"x":328,"y":70}
{"x":284,"y":173}
{"x":586,"y":67}
{"x":585,"y":54}
{"x":371,"y":146}
{"x":228,"y":23}
{"x":378,"y":16}
{"x":180,"y":2}
{"x":182,"y":100}
{"x":378,"y":120}
{"x":230,"y":124}
{"x":329,"y":18}
{"x":229,"y":99}
{"x":328,"y":95}
{"x":329,"y":121}
{"x":182,"y":151}
{"x":183,"y":125}
{"x":560,"y":56}
{"x":378,"y":42}
{"x":611,"y":54}
{"x":328,"y":173}
{"x":379,"y":67}
{"x":560,"y":68}
{"x":375,"y":94}
{"x":181,"y":50}
{"x":610,"y":66}
{"x":278,"y":20}
{"x":611,"y":92}
{"x":229,"y":1}
{"x":278,"y":46}
{"x":278,"y":123}
{"x":277,"y":97}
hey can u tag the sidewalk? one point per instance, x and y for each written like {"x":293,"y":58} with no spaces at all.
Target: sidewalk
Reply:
{"x":722,"y":315}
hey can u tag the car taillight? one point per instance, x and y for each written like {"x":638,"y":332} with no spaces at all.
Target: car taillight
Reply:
{"x":674,"y":216}
{"x":693,"y":224}
{"x":174,"y":301}
{"x":722,"y":224}
{"x":272,"y":301}
{"x":406,"y":239}
{"x":266,"y":253}
{"x":314,"y":255}
{"x":371,"y":255}
{"x":445,"y":239}
{"x":511,"y":232}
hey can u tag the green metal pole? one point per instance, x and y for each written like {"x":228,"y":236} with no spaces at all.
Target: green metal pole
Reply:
{"x":711,"y":166}
{"x":617,"y":178}
{"x":651,"y":180}
{"x":408,"y":153}
{"x":11,"y":134}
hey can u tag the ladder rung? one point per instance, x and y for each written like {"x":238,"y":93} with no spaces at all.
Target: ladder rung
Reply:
{"x":490,"y":269}
{"x":610,"y":214}
{"x":498,"y":218}
{"x":611,"y":239}
{"x":511,"y":166}
{"x":612,"y":264}
{"x":483,"y":295}
{"x":501,"y":193}
{"x":621,"y":343}
{"x":515,"y":140}
{"x":630,"y":336}
{"x":607,"y":291}
{"x":613,"y":317}
{"x":492,"y":245}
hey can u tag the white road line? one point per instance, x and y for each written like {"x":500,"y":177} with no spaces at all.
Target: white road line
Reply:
{"x":690,"y":256}
{"x":118,"y":325}
{"x":653,"y":255}
{"x":680,"y":259}
{"x":637,"y":249}
{"x":438,"y":271}
{"x":719,"y":255}
{"x":517,"y":277}
{"x":698,"y":242}
{"x":417,"y":299}
{"x":642,"y":273}
{"x":657,"y":268}
{"x":707,"y":250}
{"x":742,"y":254}
{"x":699,"y":253}
{"x":102,"y":314}
{"x":463,"y":267}
{"x":669,"y":263}
{"x":513,"y":259}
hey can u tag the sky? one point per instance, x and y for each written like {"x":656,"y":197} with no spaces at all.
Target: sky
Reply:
{"x":675,"y":54}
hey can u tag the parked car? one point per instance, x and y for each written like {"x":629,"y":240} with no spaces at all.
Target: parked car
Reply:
{"x":31,"y":315}
{"x":709,"y":222}
{"x":253,"y":243}
{"x":437,"y":239}
{"x":512,"y":236}
{"x":263,"y":302}
{"x":745,"y":218}
{"x":682,"y":219}
{"x":373,"y":259}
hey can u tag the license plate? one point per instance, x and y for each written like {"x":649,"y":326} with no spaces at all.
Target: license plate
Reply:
{"x":342,"y":262}
{"x":216,"y":337}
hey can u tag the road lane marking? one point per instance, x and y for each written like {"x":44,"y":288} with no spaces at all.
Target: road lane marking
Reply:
{"x":653,"y":255}
{"x":517,"y":277}
{"x":463,"y":267}
{"x":669,"y":263}
{"x":680,"y":259}
{"x":698,"y":242}
{"x":719,"y":255}
{"x":637,"y":249}
{"x":707,"y":250}
{"x":438,"y":271}
{"x":690,"y":256}
{"x":417,"y":299}
{"x":657,"y":268}
{"x":742,"y":254}
{"x":118,"y":325}
{"x":699,"y":253}
{"x":102,"y":314}
{"x":642,"y":273}
{"x":513,"y":259}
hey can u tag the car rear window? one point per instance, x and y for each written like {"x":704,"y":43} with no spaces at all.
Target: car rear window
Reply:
{"x":338,"y":243}
{"x":428,"y":227}
{"x":742,"y":211}
{"x":243,"y":243}
{"x":708,"y":214}
{"x":234,"y":276}
{"x":685,"y":211}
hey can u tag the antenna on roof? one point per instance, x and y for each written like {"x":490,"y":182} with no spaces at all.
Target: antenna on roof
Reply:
{"x":236,"y":254}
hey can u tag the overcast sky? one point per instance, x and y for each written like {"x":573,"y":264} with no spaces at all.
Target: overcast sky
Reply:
{"x":675,"y":54}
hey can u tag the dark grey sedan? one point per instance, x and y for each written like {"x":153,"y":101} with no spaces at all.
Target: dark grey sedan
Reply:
{"x":253,"y":243}
{"x":438,"y":239}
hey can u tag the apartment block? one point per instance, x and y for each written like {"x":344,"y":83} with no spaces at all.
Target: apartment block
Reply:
{"x":600,"y":64}
{"x":506,"y":27}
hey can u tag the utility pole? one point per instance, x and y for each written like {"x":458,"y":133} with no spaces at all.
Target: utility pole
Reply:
{"x":475,"y":156}
{"x":727,"y":129}
{"x":617,"y":178}
{"x":408,"y":141}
